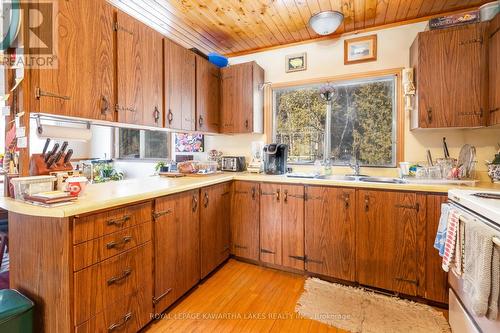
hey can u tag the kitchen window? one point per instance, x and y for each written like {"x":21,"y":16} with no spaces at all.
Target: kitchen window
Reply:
{"x":340,"y":121}
{"x":142,"y":144}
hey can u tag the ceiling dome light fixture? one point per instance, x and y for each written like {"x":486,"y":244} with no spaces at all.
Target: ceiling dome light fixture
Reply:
{"x":325,"y":23}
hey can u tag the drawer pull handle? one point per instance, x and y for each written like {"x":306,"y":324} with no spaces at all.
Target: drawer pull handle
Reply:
{"x":313,"y":261}
{"x":415,"y":282}
{"x":119,"y":244}
{"x":39,"y":93}
{"x":119,"y":222}
{"x":122,"y":322}
{"x":116,"y":279}
{"x":157,"y":215}
{"x":267,"y":251}
{"x":298,"y":258}
{"x":236,"y":246}
{"x":157,"y":299}
{"x":416,"y":206}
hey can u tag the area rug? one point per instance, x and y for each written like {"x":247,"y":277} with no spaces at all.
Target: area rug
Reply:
{"x":357,"y":310}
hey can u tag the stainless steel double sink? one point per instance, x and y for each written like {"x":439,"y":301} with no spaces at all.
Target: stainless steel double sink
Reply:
{"x":361,"y":178}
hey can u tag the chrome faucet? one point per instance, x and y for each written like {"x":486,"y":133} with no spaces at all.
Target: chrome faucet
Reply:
{"x":356,"y":168}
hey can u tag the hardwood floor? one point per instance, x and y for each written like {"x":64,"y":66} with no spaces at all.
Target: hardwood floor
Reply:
{"x":241,"y":298}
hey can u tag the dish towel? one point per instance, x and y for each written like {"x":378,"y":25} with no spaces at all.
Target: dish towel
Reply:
{"x":441,"y":232}
{"x":451,"y":238}
{"x":459,"y":249}
{"x":477,"y":266}
{"x":495,"y":284}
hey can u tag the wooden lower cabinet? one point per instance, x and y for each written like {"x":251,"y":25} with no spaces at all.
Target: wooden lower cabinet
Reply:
{"x":282,"y":225}
{"x":177,"y":244}
{"x":292,"y":226}
{"x":386,"y":244}
{"x":214,"y":226}
{"x":245,"y":220}
{"x":271,"y":213}
{"x":330,"y":232}
{"x":436,"y":280}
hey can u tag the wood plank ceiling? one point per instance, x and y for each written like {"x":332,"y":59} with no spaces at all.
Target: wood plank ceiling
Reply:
{"x":234,"y":27}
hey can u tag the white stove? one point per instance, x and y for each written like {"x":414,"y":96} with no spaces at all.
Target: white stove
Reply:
{"x":486,"y":211}
{"x":487,"y":208}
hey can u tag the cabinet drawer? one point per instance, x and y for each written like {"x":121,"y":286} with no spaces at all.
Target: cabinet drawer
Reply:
{"x":99,"y":286}
{"x":99,"y":249}
{"x":128,"y":315}
{"x":96,"y":225}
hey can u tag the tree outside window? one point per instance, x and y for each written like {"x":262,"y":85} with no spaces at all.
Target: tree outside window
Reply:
{"x":363,"y":118}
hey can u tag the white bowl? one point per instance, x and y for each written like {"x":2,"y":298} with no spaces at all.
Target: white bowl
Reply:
{"x":489,"y":10}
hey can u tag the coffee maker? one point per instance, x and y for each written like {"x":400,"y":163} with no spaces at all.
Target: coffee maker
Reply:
{"x":275,"y":158}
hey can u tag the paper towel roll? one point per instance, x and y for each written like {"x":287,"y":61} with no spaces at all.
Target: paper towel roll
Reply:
{"x":65,"y":133}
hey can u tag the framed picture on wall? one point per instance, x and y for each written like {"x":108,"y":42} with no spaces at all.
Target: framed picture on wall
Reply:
{"x":361,"y":49}
{"x":189,"y":143}
{"x":296,"y":62}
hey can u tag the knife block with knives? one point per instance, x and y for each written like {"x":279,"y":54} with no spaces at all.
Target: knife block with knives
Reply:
{"x":51,"y":161}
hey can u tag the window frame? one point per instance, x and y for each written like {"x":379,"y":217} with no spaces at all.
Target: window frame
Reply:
{"x":142,"y":148}
{"x":399,"y":122}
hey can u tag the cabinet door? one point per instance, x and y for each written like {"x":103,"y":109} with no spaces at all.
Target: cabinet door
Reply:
{"x":292,"y":224}
{"x":243,"y":114}
{"x":270,"y":223}
{"x":207,"y":96}
{"x":330,"y":232}
{"x":180,"y":85}
{"x":139,"y":63}
{"x":494,"y":72}
{"x":83,"y":82}
{"x":452,"y":77}
{"x":214,"y":227}
{"x":245,"y":220}
{"x":229,"y":86}
{"x":386,"y":240}
{"x":436,"y":280}
{"x":177,"y":261}
{"x":152,"y":107}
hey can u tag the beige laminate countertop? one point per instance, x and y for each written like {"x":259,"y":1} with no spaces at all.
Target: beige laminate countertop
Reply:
{"x":113,"y":194}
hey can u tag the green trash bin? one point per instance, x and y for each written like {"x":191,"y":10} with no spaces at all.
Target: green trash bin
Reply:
{"x":16,"y":312}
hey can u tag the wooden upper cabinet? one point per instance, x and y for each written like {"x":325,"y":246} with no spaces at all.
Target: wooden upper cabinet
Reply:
{"x":494,"y":70}
{"x":451,"y":77}
{"x":207,"y":96}
{"x":139,"y":73}
{"x":215,"y":205}
{"x":82,"y":85}
{"x":245,"y":220}
{"x":330,"y":237}
{"x":176,"y":246}
{"x":242,"y":101}
{"x":180,"y":87}
{"x":386,"y":239}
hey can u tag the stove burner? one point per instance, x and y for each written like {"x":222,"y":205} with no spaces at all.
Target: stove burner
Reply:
{"x":487,"y":195}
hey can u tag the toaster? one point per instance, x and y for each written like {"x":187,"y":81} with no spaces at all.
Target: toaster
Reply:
{"x":233,"y":163}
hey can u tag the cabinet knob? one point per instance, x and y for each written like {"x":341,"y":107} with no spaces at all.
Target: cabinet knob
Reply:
{"x":104,"y":105}
{"x":206,"y":200}
{"x":429,"y":115}
{"x":195,"y":203}
{"x":170,"y":117}
{"x":278,"y":195}
{"x":367,"y":203}
{"x":200,"y":121}
{"x":246,"y":123}
{"x":156,"y":114}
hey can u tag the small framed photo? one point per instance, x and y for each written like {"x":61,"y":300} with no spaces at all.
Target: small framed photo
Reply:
{"x":296,"y":62}
{"x":361,"y":49}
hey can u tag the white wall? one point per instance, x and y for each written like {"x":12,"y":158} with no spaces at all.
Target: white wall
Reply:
{"x":326,"y":58}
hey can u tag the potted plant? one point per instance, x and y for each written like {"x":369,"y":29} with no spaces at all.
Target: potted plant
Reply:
{"x":494,"y":168}
{"x":161,"y":167}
